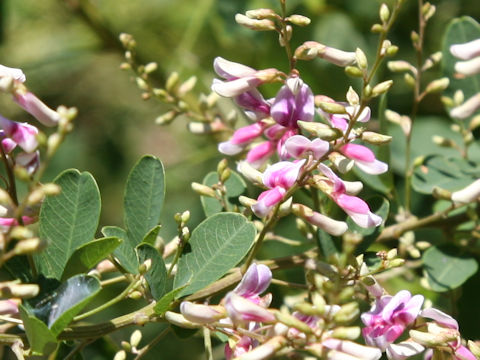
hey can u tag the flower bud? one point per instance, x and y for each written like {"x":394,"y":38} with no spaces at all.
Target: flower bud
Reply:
{"x":392,"y":254}
{"x":187,"y":86}
{"x":120,"y":355}
{"x":332,"y":107}
{"x":141,"y":83}
{"x":172,"y":81}
{"x":19,"y":290}
{"x":201,"y":314}
{"x":321,"y":131}
{"x":292,"y":321}
{"x":258,"y":25}
{"x":353,"y":71}
{"x":341,"y":163}
{"x":468,"y":194}
{"x":298,"y":20}
{"x":443,"y":142}
{"x":203,"y":190}
{"x":377,"y":28}
{"x":431,"y":340}
{"x":346,"y":332}
{"x":437,"y":85}
{"x":382,"y":88}
{"x":400,"y":66}
{"x":347,"y":313}
{"x":361,"y":59}
{"x":135,"y":338}
{"x":384,"y":13}
{"x":126,"y":346}
{"x":467,"y":108}
{"x":428,"y":10}
{"x":166,"y":118}
{"x":396,"y":263}
{"x":29,"y":246}
{"x":409,"y":80}
{"x":180,"y":320}
{"x":352,"y":97}
{"x":474,"y":348}
{"x":375,"y":138}
{"x":261,"y":14}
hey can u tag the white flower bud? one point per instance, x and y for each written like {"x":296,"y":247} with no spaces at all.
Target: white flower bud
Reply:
{"x":258,"y":25}
{"x":467,"y":108}
{"x":468,"y":194}
{"x":361,"y":59}
{"x":384,"y":13}
{"x":382,"y":88}
{"x":437,"y":85}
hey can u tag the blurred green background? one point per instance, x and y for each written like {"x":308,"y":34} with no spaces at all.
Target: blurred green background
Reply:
{"x":70,"y":54}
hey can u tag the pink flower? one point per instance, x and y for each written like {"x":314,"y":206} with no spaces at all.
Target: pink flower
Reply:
{"x":241,"y":138}
{"x":22,"y":134}
{"x":201,"y":314}
{"x":279,"y":177}
{"x":293,"y":102}
{"x":241,"y":347}
{"x":364,"y":158}
{"x":298,"y":146}
{"x":343,"y":349}
{"x":241,"y":310}
{"x":254,"y":282}
{"x":239,"y":78}
{"x":355,"y":207}
{"x":260,"y":153}
{"x":9,"y":307}
{"x":445,"y":320}
{"x":389,"y":317}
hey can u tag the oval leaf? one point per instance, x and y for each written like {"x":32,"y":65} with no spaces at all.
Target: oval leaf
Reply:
{"x":156,"y":276}
{"x":217,"y":244}
{"x":125,"y":253}
{"x":68,"y":220}
{"x":447,"y":267}
{"x":90,"y":254}
{"x":144,"y":196}
{"x":39,"y":336}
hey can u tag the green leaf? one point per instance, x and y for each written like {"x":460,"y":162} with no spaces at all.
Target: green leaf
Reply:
{"x":217,"y":244}
{"x":144,"y":196}
{"x":235,"y":186}
{"x":151,"y":236}
{"x":459,"y":31}
{"x":68,"y":220}
{"x":124,"y":253}
{"x":90,"y":254}
{"x":156,"y":276}
{"x":57,"y":308}
{"x":448,"y":267}
{"x":448,"y":173}
{"x":39,"y":336}
{"x":164,"y":304}
{"x":326,"y":244}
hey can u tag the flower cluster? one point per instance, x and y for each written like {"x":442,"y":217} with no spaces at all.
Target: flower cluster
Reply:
{"x":306,"y":161}
{"x":391,"y":316}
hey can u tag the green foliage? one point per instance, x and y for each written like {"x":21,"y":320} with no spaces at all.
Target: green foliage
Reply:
{"x":217,"y":244}
{"x":448,"y":267}
{"x":460,"y":30}
{"x":156,"y":276}
{"x":144,"y":196}
{"x":39,"y":336}
{"x":125,"y":253}
{"x":235,"y":186}
{"x":90,"y":254}
{"x":165,"y":303}
{"x":68,"y":221}
{"x":447,"y":173}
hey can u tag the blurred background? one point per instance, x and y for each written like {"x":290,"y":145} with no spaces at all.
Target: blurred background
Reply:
{"x":70,"y":52}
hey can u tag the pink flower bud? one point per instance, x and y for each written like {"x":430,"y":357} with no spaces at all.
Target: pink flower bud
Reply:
{"x":267,"y":200}
{"x":260,"y":153}
{"x":16,"y":74}
{"x":241,"y":310}
{"x":364,"y":158}
{"x":201,"y":314}
{"x":37,"y":108}
{"x":468,"y":194}
{"x":467,"y":108}
{"x":23,"y":134}
{"x":254,"y":282}
{"x":467,"y":50}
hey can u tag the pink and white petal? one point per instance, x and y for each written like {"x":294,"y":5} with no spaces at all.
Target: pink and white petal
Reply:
{"x":260,"y":153}
{"x":255,"y":281}
{"x":411,"y":310}
{"x":365,"y":220}
{"x":229,"y":69}
{"x":283,"y":173}
{"x":234,"y":87}
{"x":466,"y":50}
{"x":297,"y":145}
{"x":16,"y":74}
{"x":246,"y":134}
{"x":358,"y":351}
{"x":331,"y":226}
{"x":228,"y":148}
{"x":462,"y":353}
{"x":374,"y":168}
{"x":267,"y":200}
{"x":440,"y":317}
{"x":358,"y":152}
{"x":37,"y":108}
{"x":404,"y":350}
{"x":8,"y":145}
{"x":319,"y":148}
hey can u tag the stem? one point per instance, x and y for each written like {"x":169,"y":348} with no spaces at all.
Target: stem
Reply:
{"x":417,"y":98}
{"x":207,"y":341}
{"x":152,"y":343}
{"x":114,"y":280}
{"x":284,"y":35}
{"x":11,"y":188}
{"x":289,"y":284}
{"x":116,"y":299}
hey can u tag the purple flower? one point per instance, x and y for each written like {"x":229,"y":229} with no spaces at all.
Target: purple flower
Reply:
{"x":364,"y":158}
{"x":355,"y":207}
{"x":389,"y":317}
{"x":241,"y":138}
{"x":279,"y":177}
{"x":255,"y":281}
{"x":293,"y":102}
{"x":22,"y":134}
{"x":446,"y":321}
{"x":298,"y":146}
